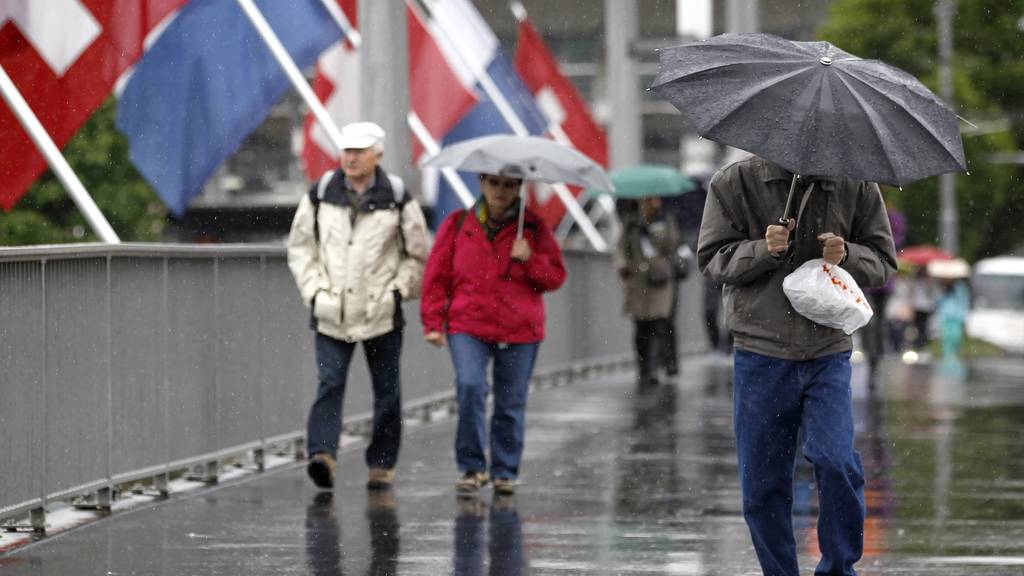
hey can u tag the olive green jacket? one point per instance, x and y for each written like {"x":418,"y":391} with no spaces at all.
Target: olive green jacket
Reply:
{"x":643,"y":258}
{"x":748,"y":196}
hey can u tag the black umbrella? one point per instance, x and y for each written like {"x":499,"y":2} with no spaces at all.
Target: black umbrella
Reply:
{"x":812,"y":108}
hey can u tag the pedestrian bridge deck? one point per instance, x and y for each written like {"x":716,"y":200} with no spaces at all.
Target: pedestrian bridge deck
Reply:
{"x":614,"y":482}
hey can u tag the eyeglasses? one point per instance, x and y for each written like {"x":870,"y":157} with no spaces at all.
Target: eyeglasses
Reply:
{"x":497,"y":182}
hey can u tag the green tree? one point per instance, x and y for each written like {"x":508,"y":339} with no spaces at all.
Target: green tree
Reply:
{"x":98,"y":154}
{"x":989,"y":83}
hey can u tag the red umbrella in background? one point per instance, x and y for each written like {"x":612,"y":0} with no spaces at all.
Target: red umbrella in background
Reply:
{"x":922,"y":255}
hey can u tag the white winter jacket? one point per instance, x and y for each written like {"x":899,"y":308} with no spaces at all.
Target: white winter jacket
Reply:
{"x":355,"y":277}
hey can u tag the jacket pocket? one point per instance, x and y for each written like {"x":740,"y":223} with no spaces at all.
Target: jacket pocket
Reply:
{"x":326,"y":308}
{"x":380,"y":306}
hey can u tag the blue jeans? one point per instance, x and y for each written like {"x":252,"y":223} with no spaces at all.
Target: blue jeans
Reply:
{"x":324,"y":426}
{"x":513,"y":365}
{"x":773,"y":400}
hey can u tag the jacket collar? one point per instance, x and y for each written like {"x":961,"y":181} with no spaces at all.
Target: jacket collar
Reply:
{"x":379,"y":194}
{"x":771,"y":172}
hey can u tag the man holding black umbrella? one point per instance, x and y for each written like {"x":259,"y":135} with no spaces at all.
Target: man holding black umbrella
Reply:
{"x":791,"y":373}
{"x":804,"y":108}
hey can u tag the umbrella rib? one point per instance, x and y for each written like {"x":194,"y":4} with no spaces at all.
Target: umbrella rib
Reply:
{"x":663,"y":79}
{"x":910,"y":112}
{"x":752,"y":92}
{"x":875,"y":122}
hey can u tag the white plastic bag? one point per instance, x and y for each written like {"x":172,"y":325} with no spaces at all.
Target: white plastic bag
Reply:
{"x":827,"y":295}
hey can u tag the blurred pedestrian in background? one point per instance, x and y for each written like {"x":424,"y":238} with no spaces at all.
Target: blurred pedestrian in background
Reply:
{"x":875,"y":335}
{"x":923,"y":295}
{"x":644,"y":259}
{"x":952,"y":303}
{"x":898,"y":311}
{"x":356,"y":248}
{"x":483,"y":296}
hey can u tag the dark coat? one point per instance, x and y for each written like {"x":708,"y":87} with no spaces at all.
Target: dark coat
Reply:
{"x":748,"y":196}
{"x":472,"y":286}
{"x":646,"y":271}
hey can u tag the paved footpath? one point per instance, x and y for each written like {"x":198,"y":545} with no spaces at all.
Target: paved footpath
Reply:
{"x":614,"y":483}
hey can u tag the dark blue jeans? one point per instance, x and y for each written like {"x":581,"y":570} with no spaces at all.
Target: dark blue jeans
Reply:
{"x":513,"y":365}
{"x":773,"y":400}
{"x":332,"y":359}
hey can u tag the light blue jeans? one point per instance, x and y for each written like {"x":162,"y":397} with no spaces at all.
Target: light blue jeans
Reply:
{"x":512,"y":368}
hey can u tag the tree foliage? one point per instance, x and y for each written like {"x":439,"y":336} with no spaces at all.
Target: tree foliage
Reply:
{"x":988,"y":76}
{"x":99,"y":156}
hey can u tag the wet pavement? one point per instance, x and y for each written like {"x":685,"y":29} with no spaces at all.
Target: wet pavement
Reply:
{"x":614,"y":482}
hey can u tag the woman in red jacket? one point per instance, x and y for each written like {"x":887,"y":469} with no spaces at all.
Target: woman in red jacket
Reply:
{"x":483,"y":296}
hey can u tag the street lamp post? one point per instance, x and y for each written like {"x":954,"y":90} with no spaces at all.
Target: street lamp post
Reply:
{"x":948,"y":213}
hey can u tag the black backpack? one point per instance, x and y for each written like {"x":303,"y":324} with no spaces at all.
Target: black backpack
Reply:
{"x":316,"y":196}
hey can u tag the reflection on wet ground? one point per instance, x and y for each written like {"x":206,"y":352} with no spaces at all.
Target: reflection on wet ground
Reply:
{"x":614,"y":482}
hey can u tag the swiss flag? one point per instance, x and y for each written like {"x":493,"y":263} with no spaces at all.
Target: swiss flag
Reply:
{"x":563,"y":107}
{"x":336,"y":85}
{"x":438,"y":94}
{"x":64,"y":56}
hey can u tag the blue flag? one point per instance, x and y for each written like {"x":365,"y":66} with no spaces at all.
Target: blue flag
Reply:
{"x":207,"y":82}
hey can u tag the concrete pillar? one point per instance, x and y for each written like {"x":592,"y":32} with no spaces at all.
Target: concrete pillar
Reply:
{"x":625,"y":127}
{"x":694,"y":18}
{"x":949,"y":213}
{"x":742,"y":16}
{"x":384,"y":80}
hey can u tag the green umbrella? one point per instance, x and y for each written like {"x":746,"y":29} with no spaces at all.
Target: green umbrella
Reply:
{"x":648,"y":180}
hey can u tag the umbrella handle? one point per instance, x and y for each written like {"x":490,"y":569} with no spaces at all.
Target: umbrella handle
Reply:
{"x":784,"y":220}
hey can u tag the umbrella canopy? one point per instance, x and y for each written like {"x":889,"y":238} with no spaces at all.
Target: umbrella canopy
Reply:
{"x":812,"y":108}
{"x":953,"y":269}
{"x":648,"y":180}
{"x":922,"y":255}
{"x":525,"y":157}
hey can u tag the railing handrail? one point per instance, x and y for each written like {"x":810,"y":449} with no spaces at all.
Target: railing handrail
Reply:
{"x":139,"y":250}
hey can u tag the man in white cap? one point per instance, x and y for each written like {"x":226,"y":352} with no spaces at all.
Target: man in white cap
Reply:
{"x":357,"y":248}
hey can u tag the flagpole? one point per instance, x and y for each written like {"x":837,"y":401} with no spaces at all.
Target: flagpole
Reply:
{"x":605,"y":201}
{"x":431,"y":147}
{"x":513,"y":120}
{"x":97,"y":221}
{"x":309,"y":97}
{"x":338,"y":15}
{"x":292,"y":71}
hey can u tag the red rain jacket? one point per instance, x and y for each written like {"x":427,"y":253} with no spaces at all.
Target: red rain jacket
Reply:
{"x":472,"y":286}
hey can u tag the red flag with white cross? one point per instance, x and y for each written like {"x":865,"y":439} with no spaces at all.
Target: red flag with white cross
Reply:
{"x":64,"y":56}
{"x":563,"y":107}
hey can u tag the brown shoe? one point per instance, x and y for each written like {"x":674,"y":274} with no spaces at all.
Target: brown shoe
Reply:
{"x":380,"y":479}
{"x":504,"y":486}
{"x":321,"y":470}
{"x":471,"y":482}
{"x":380,"y":500}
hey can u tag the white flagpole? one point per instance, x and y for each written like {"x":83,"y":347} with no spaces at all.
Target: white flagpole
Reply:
{"x":56,"y":160}
{"x":351,"y":34}
{"x":432,"y":148}
{"x":294,"y":74}
{"x":309,"y":97}
{"x":513,"y":120}
{"x":605,"y":201}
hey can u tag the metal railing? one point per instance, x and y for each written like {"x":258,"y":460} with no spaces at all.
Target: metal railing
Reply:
{"x":126,"y":362}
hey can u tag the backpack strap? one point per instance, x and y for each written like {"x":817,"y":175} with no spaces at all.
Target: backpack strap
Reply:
{"x":316,"y":195}
{"x":398,"y":190}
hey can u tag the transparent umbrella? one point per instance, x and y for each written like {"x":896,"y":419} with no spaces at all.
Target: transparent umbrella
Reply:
{"x":530,"y":158}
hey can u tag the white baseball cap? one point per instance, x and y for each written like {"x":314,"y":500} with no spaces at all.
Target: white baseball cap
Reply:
{"x":361,"y":135}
